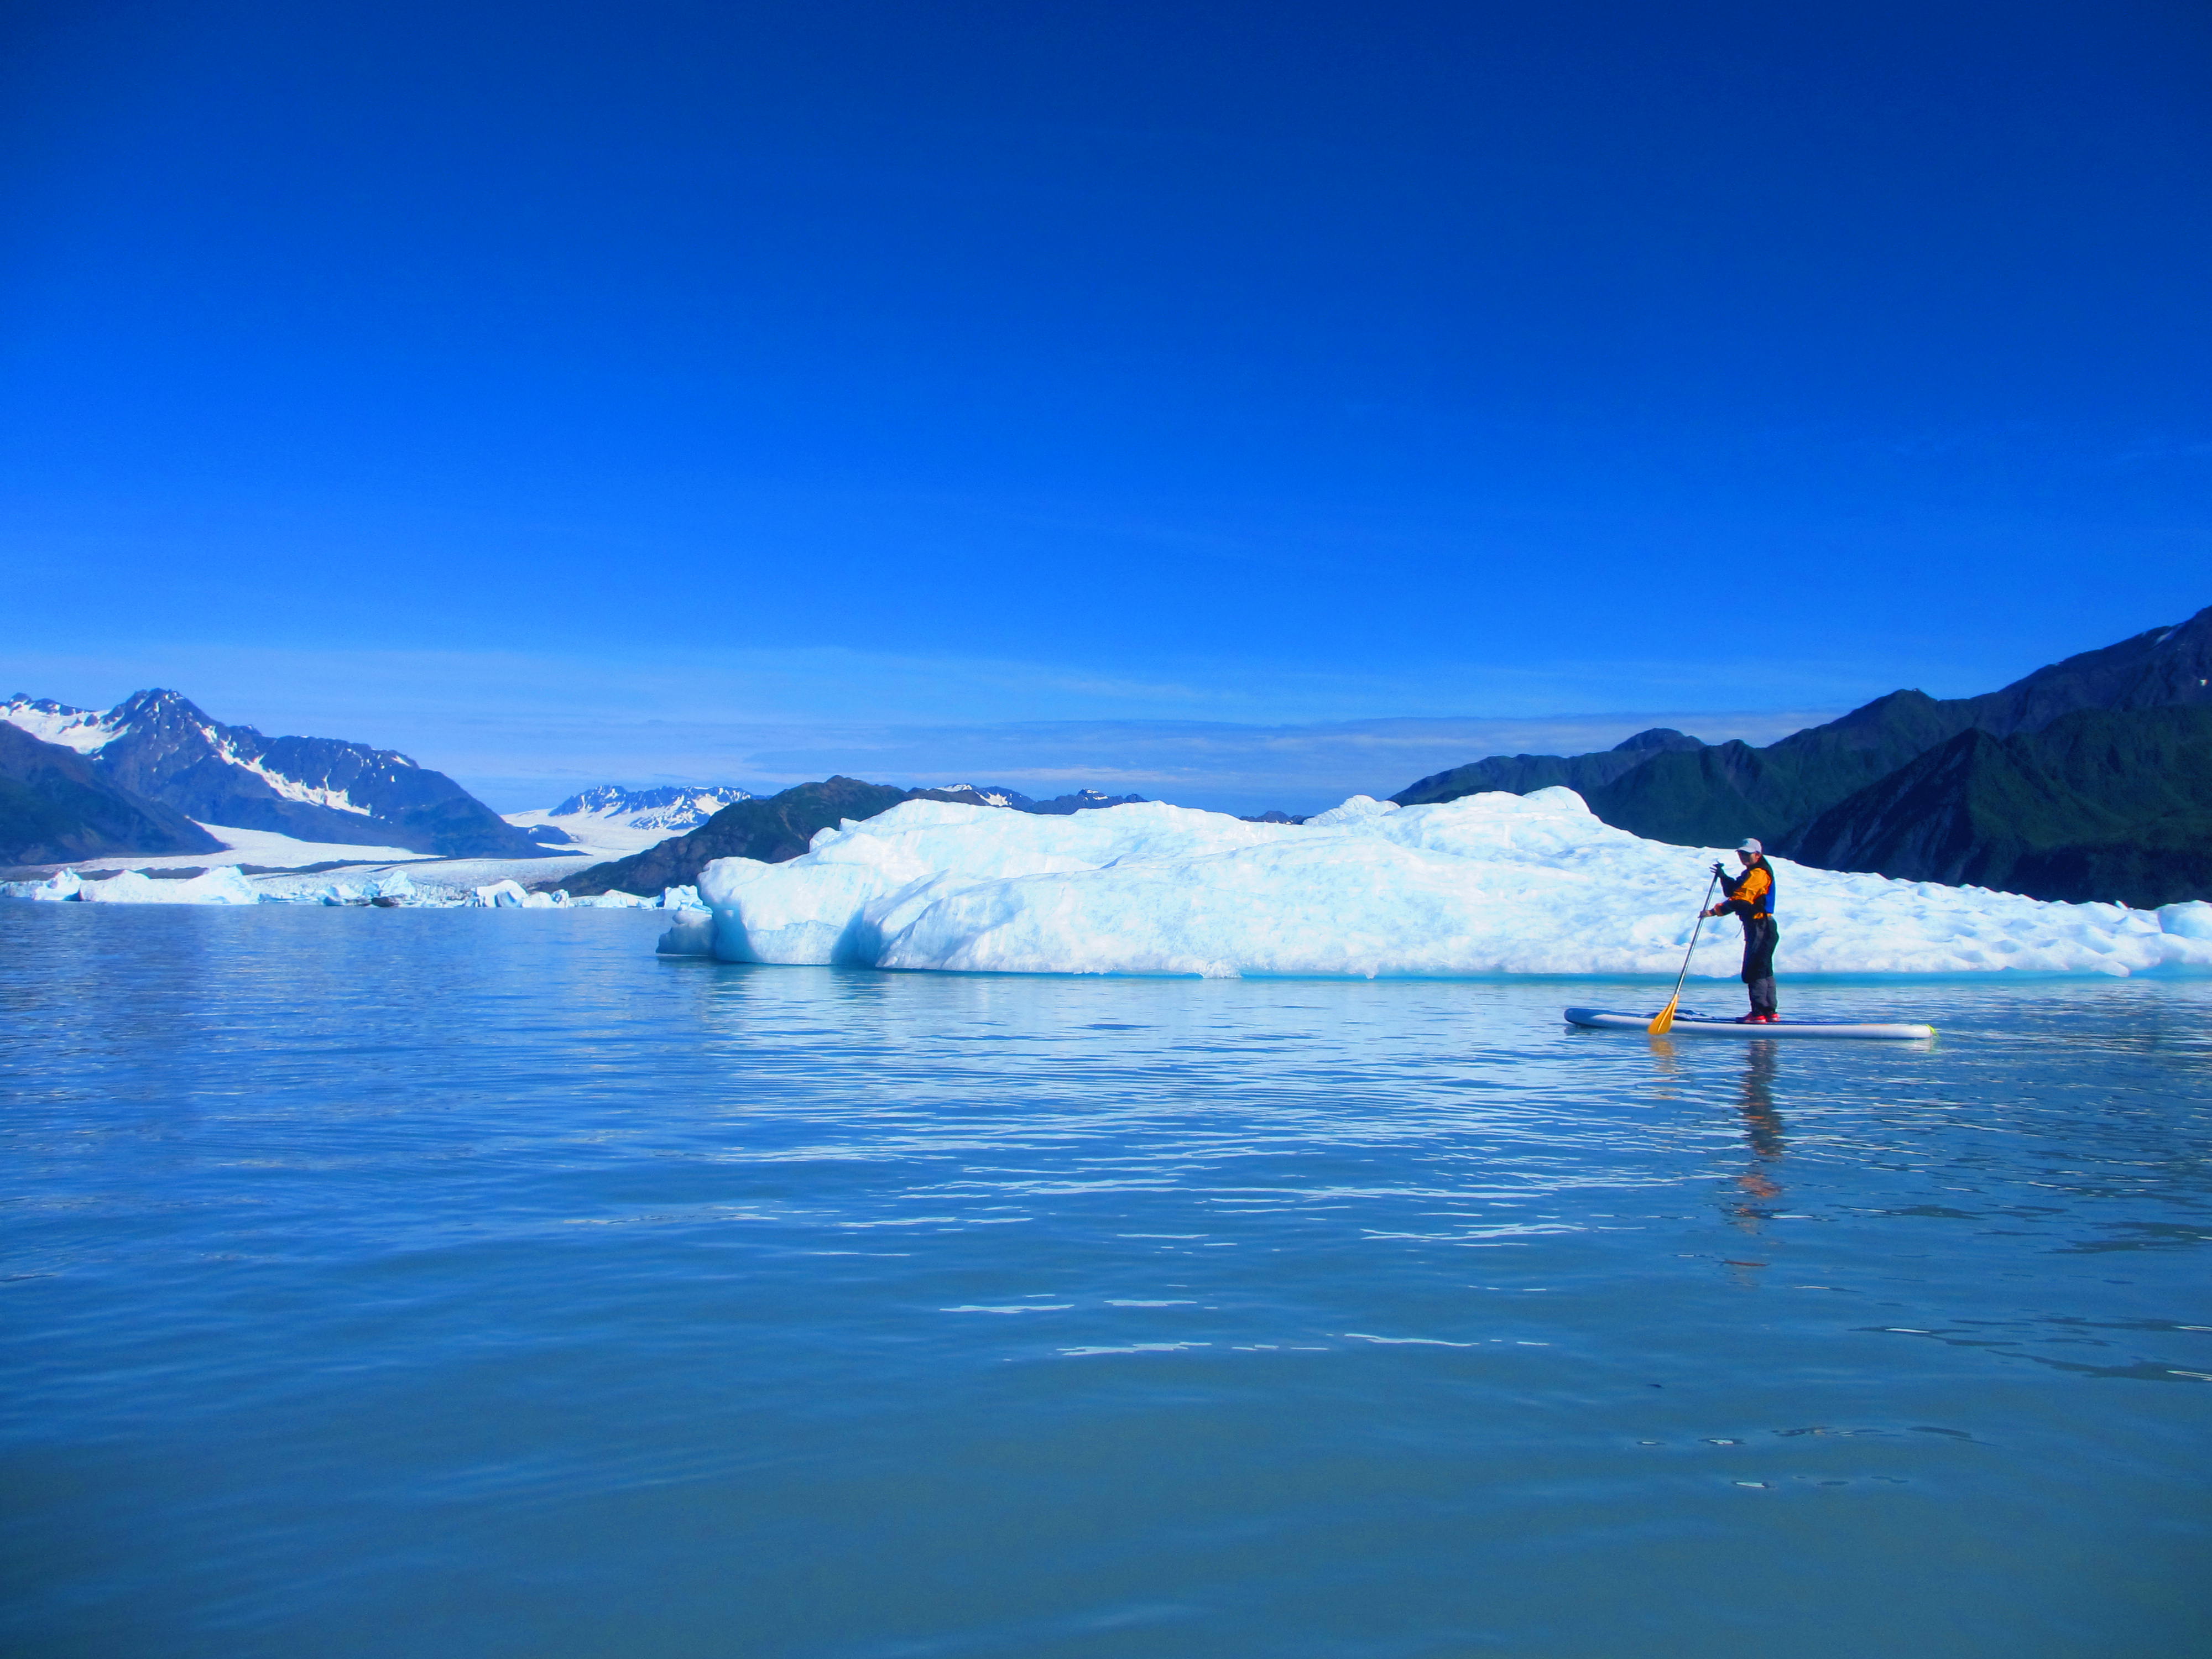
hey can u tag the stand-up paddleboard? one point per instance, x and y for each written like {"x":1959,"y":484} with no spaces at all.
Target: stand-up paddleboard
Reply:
{"x":1686,"y":1024}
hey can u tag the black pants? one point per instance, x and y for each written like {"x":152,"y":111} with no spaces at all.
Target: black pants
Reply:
{"x":1759,"y":941}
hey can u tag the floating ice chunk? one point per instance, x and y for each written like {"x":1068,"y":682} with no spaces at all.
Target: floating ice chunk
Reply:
{"x":671,"y":898}
{"x":221,"y":885}
{"x":61,"y":884}
{"x":1490,"y":884}
{"x":503,"y":895}
{"x":692,"y":935}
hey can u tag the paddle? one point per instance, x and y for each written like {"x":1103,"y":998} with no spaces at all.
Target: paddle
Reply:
{"x":1663,"y":1021}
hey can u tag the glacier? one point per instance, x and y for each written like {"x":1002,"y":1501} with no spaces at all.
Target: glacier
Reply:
{"x":612,"y":820}
{"x":1485,"y":885}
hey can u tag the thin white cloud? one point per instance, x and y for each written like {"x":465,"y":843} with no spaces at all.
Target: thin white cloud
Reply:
{"x":524,"y":728}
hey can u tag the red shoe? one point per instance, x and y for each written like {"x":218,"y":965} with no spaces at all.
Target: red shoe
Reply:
{"x":1768,"y":1019}
{"x":1749,"y":1019}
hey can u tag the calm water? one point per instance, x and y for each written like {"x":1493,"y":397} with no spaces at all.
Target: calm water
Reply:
{"x":391,"y":1282}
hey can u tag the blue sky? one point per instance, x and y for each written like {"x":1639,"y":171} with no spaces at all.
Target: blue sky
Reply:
{"x":668,"y":390}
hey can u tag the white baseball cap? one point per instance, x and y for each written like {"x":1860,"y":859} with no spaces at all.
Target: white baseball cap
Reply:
{"x":1750,"y":844}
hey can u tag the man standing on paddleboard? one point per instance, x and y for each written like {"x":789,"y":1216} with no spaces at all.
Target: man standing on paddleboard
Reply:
{"x":1750,"y":896}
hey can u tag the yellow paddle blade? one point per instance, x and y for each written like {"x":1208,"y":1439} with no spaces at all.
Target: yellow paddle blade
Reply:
{"x":1663,"y":1021}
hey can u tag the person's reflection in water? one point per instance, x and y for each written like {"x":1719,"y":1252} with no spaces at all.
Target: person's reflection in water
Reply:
{"x":1762,"y":1131}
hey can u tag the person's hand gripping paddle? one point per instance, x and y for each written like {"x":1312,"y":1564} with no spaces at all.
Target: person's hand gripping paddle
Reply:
{"x":1663,"y":1021}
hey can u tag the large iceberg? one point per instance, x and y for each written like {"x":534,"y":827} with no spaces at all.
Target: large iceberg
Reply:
{"x":1490,"y":884}
{"x":223,"y":884}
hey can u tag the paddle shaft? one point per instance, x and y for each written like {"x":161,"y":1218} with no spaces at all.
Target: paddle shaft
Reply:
{"x":1704,"y":905}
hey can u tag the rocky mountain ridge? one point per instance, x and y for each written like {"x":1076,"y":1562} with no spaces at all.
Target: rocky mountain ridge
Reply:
{"x":675,"y":808}
{"x":158,"y":747}
{"x":1825,"y":794}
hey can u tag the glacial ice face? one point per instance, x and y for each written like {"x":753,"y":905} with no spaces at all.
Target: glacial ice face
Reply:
{"x":2191,"y":918}
{"x":1490,"y":884}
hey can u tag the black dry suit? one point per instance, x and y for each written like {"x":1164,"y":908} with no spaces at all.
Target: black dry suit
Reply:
{"x":1750,"y":896}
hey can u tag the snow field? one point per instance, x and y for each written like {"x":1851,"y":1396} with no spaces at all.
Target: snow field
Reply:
{"x":1491,"y":883}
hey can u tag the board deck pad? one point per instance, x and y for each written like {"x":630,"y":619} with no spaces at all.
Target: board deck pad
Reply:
{"x":1690,"y":1023}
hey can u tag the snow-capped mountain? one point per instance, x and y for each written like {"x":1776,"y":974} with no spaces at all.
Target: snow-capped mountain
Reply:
{"x":609,"y":818}
{"x":997,"y":794}
{"x":685,"y":806}
{"x":1083,"y":800}
{"x":986,"y":794}
{"x":49,"y":721}
{"x":159,"y":745}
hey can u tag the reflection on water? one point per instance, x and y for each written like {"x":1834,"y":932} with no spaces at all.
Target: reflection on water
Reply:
{"x":475,"y":1283}
{"x":1762,"y":1132}
{"x":1757,"y":1190}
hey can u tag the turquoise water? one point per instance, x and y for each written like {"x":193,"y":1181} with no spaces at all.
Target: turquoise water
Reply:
{"x":474,"y":1283}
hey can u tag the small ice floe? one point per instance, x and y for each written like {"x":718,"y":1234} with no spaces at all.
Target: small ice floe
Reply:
{"x":671,"y":898}
{"x":511,"y":894}
{"x":693,"y":935}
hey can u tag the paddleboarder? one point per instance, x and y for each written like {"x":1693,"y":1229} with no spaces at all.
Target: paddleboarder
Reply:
{"x":1750,"y":896}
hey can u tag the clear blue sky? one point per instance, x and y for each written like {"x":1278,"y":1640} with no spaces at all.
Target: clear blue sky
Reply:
{"x":495,"y":380}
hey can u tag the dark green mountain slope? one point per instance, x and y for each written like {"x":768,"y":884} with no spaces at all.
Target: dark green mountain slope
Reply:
{"x":2160,"y":668}
{"x":1718,"y":794}
{"x":1707,"y":796}
{"x":55,"y":808}
{"x":2096,"y":805}
{"x":1520,"y":775}
{"x":770,"y":830}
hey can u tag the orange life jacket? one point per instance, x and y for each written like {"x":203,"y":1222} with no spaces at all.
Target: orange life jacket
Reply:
{"x":1751,"y":895}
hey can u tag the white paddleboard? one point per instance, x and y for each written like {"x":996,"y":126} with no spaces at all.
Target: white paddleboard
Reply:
{"x":1606,"y":1019}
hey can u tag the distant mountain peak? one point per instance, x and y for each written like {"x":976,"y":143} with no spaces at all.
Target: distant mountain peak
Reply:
{"x":83,"y":730}
{"x":675,"y":807}
{"x":988,"y":794}
{"x":1659,"y":739}
{"x":158,"y":744}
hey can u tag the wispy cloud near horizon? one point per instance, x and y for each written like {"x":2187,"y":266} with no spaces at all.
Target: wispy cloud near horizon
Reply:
{"x":1224,"y":765}
{"x":524,"y":730}
{"x":527,"y":730}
